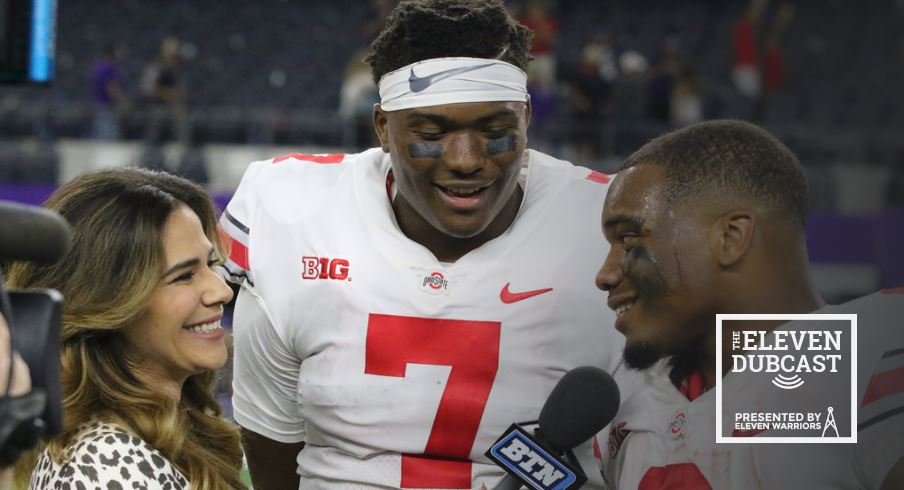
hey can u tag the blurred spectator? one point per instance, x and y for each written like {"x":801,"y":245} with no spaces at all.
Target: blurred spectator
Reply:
{"x":687,"y":102}
{"x":604,"y":52}
{"x":774,"y":74}
{"x":379,"y":11}
{"x":633,"y":64}
{"x":108,"y":93}
{"x":544,"y":107}
{"x":542,"y":70}
{"x":746,"y":73}
{"x":589,"y":94}
{"x":356,"y":102}
{"x":163,"y":86}
{"x":662,"y":83}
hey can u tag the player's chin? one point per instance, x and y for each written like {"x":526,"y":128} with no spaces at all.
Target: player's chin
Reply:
{"x":642,"y":354}
{"x":463,"y":225}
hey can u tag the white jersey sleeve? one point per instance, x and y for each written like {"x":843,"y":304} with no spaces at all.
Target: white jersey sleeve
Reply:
{"x":265,"y":367}
{"x":265,"y":374}
{"x":235,"y":225}
{"x":880,"y":427}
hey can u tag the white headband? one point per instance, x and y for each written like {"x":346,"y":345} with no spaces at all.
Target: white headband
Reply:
{"x":442,"y":81}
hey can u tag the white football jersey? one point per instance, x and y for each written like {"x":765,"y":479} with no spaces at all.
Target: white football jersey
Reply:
{"x":396,"y":370}
{"x":662,"y":440}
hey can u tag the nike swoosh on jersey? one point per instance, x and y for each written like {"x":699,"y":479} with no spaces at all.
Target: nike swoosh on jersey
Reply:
{"x":509,"y":297}
{"x":419,"y":84}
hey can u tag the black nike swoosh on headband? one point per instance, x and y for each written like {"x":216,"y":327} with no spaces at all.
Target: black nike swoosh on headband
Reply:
{"x":419,"y":84}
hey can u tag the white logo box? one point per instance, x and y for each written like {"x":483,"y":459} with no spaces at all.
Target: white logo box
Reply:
{"x":849,"y":317}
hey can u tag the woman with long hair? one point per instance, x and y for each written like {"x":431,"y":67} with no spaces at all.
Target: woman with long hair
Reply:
{"x":141,"y":338}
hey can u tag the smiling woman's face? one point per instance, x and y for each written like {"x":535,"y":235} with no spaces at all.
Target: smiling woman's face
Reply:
{"x":179,"y":333}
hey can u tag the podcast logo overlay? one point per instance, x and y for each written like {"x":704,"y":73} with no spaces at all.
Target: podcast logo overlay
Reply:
{"x":796,"y":383}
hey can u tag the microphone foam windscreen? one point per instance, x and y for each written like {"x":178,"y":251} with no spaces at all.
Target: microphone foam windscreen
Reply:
{"x":32,"y":233}
{"x":581,"y":404}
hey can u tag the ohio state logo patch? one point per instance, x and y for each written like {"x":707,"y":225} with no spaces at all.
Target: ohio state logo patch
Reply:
{"x":434,"y":282}
{"x":617,"y":438}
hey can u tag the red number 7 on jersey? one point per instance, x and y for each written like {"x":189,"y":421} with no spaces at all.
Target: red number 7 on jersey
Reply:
{"x":471,"y":348}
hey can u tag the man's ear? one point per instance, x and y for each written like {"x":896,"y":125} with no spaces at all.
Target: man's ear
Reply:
{"x":732,"y":236}
{"x":381,"y":126}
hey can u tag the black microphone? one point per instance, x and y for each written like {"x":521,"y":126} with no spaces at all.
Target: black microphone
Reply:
{"x":583,"y":402}
{"x":32,"y":233}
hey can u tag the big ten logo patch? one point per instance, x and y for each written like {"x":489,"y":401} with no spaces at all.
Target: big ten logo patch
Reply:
{"x":433,"y":282}
{"x":325,"y":268}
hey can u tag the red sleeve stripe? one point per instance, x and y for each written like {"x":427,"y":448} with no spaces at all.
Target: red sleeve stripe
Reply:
{"x":879,"y":418}
{"x":238,"y":254}
{"x":232,"y":239}
{"x":232,"y":229}
{"x":234,"y":236}
{"x":600,"y":177}
{"x":884,"y":385}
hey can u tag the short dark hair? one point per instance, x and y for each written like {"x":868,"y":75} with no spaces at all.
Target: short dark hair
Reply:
{"x":419,"y":30}
{"x":727,"y":157}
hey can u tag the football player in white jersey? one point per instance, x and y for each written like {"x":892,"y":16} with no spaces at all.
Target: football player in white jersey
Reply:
{"x":710,"y":219}
{"x":401,"y":307}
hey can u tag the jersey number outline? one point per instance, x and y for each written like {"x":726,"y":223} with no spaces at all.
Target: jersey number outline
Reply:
{"x":471,"y":349}
{"x":326,"y":158}
{"x":679,"y":476}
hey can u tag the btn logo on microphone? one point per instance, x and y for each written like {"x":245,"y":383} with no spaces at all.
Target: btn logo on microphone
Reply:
{"x":526,"y":459}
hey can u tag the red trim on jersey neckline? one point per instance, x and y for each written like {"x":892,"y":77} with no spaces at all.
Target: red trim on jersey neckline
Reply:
{"x":693,"y":386}
{"x":390,"y":183}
